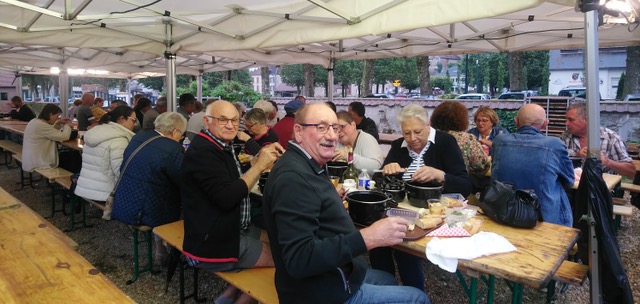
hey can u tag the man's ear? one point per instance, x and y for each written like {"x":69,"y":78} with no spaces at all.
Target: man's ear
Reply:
{"x":515,"y":119}
{"x":544,"y":125}
{"x":297,"y":133}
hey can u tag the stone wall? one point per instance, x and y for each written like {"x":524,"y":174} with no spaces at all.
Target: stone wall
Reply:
{"x":622,"y":117}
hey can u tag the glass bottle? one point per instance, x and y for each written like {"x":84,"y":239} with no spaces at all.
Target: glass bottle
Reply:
{"x":350,"y":172}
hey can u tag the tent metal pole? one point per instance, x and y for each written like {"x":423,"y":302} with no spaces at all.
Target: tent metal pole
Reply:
{"x":593,"y":136}
{"x":332,"y":61}
{"x":171,"y":81}
{"x":171,"y":68}
{"x":18,"y":80}
{"x":200,"y":72}
{"x":63,"y":82}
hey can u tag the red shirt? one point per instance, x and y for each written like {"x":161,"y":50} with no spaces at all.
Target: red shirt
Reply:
{"x":284,"y":130}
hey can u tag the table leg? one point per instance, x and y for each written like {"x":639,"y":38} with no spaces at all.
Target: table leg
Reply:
{"x":517,"y":290}
{"x":491,"y":285}
{"x":471,"y":290}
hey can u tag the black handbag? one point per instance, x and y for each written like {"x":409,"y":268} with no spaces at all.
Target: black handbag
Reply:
{"x":505,"y":205}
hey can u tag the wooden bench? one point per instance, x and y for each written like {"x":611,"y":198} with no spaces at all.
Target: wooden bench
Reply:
{"x":50,"y":174}
{"x":9,"y":147}
{"x":256,"y":282}
{"x":38,"y":266}
{"x":630,"y":187}
{"x":65,"y":184}
{"x":569,"y":273}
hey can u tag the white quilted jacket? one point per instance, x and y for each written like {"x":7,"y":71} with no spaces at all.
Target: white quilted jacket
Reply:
{"x":101,"y":158}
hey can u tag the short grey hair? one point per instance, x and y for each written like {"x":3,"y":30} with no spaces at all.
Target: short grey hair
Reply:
{"x":413,"y":111}
{"x":266,"y":106}
{"x":166,"y":122}
{"x":161,"y":102}
{"x":256,"y":116}
{"x":580,"y":107}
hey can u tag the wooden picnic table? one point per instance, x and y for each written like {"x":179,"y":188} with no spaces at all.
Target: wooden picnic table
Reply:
{"x":539,"y":251}
{"x":610,"y":179}
{"x":13,"y":126}
{"x":37,"y":265}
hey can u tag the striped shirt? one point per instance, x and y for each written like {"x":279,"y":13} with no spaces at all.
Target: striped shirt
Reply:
{"x":418,"y":160}
{"x":610,"y":144}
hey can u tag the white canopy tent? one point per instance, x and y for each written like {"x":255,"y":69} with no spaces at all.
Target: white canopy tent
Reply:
{"x":130,"y":36}
{"x":130,"y":33}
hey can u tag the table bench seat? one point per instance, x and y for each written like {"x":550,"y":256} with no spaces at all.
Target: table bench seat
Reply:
{"x":622,"y":210}
{"x":571,"y":273}
{"x":10,"y":146}
{"x":630,"y":187}
{"x":256,"y":282}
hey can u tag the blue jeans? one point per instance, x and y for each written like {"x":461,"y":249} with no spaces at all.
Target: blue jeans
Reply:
{"x":380,"y":287}
{"x":409,"y":266}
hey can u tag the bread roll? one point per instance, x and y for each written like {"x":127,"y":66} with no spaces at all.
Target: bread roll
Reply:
{"x":428,"y":223}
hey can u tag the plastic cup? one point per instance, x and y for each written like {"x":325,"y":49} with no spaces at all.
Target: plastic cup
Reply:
{"x":335,"y":180}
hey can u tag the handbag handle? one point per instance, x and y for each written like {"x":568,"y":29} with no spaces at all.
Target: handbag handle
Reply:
{"x":113,"y":192}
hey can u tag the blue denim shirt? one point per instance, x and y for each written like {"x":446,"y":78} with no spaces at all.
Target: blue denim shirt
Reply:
{"x":530,"y":160}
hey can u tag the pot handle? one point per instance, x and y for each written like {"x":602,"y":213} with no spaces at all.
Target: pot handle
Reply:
{"x":390,"y":203}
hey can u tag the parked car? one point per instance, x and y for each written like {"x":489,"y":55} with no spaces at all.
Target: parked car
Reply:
{"x":51,"y":99}
{"x":513,"y":95}
{"x":474,"y":96}
{"x":377,"y":96}
{"x":578,"y":92}
{"x":632,"y":97}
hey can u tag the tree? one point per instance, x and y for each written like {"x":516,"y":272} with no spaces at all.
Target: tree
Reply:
{"x":619,"y":95}
{"x":443,"y":83}
{"x":632,"y":72}
{"x":367,"y":77}
{"x":320,"y":76}
{"x":242,"y":76}
{"x":408,"y":75}
{"x":347,"y":72}
{"x":424,"y":75}
{"x":536,"y":70}
{"x":293,"y":75}
{"x":264,"y":75}
{"x":516,"y":68}
{"x":156,"y":83}
{"x":236,"y":92}
{"x":309,"y":83}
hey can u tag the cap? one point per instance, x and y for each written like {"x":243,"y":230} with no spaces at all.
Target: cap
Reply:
{"x":292,"y":106}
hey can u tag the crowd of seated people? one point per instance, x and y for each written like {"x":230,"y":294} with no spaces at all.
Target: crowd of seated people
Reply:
{"x":159,"y":180}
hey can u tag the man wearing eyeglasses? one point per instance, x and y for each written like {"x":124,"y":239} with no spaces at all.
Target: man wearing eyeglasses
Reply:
{"x":317,"y":252}
{"x":215,"y":194}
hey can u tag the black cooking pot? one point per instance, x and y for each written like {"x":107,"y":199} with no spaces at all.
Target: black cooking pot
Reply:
{"x":262,"y":181}
{"x":336,"y":169}
{"x":396,"y":194}
{"x":366,"y":207}
{"x":418,"y":194}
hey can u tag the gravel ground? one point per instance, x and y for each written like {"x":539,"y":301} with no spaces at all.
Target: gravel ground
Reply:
{"x":108,"y":246}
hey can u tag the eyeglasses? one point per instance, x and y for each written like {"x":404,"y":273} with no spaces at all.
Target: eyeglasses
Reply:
{"x":223,"y":120}
{"x":340,"y":127}
{"x":483,"y":120}
{"x":324,"y":127}
{"x":250,"y":125}
{"x":135,"y":120}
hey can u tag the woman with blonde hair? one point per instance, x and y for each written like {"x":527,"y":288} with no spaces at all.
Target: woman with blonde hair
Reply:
{"x":487,"y":128}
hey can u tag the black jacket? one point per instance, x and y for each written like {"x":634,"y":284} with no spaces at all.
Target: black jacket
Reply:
{"x":593,"y":192}
{"x":317,"y":251}
{"x":24,"y":113}
{"x":211,"y":191}
{"x":444,"y":155}
{"x":368,"y":125}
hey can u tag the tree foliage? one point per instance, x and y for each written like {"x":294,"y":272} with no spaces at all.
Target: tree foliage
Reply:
{"x":236,"y":92}
{"x":444,"y":83}
{"x":293,"y":75}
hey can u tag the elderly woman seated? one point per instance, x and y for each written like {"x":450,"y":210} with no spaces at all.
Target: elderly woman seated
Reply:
{"x":255,"y":122}
{"x":148,"y":192}
{"x":422,"y":155}
{"x":367,"y":154}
